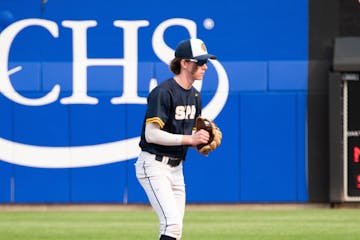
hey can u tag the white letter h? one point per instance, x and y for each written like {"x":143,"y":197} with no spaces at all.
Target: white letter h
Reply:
{"x":81,"y":62}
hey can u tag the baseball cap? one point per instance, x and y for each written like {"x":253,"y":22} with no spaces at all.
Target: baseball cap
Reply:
{"x":193,"y":48}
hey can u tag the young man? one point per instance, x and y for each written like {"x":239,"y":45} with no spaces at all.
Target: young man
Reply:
{"x":167,"y":132}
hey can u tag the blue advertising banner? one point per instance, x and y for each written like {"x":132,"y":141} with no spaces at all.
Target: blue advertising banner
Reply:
{"x":74,"y":77}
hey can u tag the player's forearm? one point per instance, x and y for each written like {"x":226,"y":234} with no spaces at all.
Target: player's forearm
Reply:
{"x":153,"y":134}
{"x":187,"y":140}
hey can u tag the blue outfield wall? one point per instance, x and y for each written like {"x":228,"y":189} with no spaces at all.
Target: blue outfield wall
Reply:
{"x":263,"y":154}
{"x":261,"y":159}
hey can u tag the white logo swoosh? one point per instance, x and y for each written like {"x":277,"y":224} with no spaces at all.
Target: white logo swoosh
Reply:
{"x":99,"y":154}
{"x":68,"y":157}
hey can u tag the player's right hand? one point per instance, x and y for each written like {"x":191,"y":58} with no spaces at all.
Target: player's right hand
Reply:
{"x":200,"y":137}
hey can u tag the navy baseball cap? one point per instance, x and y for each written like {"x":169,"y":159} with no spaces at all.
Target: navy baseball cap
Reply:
{"x":193,"y":48}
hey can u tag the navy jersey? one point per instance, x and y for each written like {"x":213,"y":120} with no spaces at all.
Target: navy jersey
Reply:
{"x":175,"y":110}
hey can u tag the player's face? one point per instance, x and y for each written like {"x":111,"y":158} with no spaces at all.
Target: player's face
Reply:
{"x":198,"y":71}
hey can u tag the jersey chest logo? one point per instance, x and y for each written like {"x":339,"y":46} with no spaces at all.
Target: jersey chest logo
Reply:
{"x":185,"y":112}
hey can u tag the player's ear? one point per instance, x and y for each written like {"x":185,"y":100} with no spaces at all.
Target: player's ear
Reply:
{"x":183,"y":63}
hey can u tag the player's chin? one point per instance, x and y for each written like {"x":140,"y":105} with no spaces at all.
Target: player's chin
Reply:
{"x":200,"y":77}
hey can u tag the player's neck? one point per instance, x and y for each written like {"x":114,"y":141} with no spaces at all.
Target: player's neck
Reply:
{"x":184,"y":81}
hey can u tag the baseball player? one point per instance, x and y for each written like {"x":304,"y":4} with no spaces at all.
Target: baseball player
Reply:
{"x":168,"y":131}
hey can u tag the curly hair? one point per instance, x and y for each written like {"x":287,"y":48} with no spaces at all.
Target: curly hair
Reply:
{"x":175,"y":65}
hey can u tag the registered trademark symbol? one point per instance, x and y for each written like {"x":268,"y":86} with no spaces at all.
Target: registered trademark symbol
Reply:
{"x":208,"y":23}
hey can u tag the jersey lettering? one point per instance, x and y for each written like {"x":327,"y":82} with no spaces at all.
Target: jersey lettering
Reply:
{"x":185,"y":112}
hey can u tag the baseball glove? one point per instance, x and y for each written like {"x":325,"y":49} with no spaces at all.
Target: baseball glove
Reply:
{"x":214,"y":132}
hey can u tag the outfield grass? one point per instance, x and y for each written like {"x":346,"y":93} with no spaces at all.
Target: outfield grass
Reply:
{"x":219,"y":224}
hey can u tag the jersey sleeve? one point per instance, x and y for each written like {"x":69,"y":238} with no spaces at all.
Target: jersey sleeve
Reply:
{"x":158,"y":109}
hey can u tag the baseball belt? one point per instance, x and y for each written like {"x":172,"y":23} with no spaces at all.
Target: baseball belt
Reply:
{"x":173,"y":162}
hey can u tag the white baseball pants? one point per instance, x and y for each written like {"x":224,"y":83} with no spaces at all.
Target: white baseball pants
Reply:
{"x":165,"y":188}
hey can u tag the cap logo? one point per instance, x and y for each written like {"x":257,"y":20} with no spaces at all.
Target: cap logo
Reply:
{"x":203,"y":47}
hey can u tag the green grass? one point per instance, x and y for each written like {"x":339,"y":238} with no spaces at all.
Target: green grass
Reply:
{"x":239,"y":224}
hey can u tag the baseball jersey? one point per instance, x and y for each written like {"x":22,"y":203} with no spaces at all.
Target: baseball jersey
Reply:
{"x":175,"y":110}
